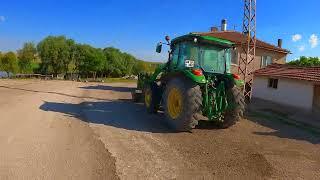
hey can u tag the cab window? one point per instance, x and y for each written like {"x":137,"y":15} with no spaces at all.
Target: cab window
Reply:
{"x":182,"y":55}
{"x":188,"y":51}
{"x":175,"y":56}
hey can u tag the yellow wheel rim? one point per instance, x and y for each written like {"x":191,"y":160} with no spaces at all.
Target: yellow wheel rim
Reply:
{"x":147,"y":97}
{"x":174,"y":103}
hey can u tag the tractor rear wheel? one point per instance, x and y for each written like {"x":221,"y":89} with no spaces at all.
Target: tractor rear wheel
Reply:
{"x":236,"y":98}
{"x":150,"y":100}
{"x":182,"y":101}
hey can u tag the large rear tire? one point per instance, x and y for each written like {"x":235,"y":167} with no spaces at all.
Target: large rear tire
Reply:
{"x":182,"y":101}
{"x":236,"y":98}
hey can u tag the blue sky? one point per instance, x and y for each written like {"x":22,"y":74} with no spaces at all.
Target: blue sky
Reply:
{"x":136,"y":26}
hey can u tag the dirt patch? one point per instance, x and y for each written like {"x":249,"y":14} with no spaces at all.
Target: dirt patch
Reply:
{"x":215,"y":152}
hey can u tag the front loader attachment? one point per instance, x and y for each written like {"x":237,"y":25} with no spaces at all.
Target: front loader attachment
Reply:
{"x":137,"y":94}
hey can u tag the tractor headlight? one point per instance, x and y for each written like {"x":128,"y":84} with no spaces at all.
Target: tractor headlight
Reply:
{"x":189,"y":63}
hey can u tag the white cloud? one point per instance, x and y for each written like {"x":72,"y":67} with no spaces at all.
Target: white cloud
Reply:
{"x":2,"y":18}
{"x":296,"y":37}
{"x":301,"y":48}
{"x":313,"y":40}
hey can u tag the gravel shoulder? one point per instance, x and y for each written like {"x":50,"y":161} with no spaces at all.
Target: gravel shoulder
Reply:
{"x":68,"y":130}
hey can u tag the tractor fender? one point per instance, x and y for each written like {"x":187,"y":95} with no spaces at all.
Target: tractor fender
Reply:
{"x":184,"y":74}
{"x":198,"y":79}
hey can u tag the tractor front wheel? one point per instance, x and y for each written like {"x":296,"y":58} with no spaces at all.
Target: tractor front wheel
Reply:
{"x":150,"y":99}
{"x":182,"y":102}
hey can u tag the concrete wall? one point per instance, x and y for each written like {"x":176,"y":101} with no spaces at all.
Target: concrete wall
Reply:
{"x":316,"y":99}
{"x":290,"y":92}
{"x":279,"y":58}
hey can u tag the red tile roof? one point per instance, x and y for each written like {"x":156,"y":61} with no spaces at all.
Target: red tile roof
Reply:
{"x":291,"y":72}
{"x":239,"y":38}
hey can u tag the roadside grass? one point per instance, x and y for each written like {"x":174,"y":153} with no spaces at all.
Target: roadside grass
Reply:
{"x":115,"y":80}
{"x":285,"y":120}
{"x":105,"y":80}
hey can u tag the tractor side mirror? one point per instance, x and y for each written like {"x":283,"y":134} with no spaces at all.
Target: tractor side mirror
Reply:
{"x":159,"y":47}
{"x":234,"y":48}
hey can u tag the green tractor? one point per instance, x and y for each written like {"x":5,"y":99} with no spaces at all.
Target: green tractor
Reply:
{"x":195,"y":83}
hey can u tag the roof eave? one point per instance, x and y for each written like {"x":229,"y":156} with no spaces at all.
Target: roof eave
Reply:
{"x":284,"y":51}
{"x":277,"y":76}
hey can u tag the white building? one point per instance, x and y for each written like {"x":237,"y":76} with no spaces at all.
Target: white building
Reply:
{"x":287,"y":85}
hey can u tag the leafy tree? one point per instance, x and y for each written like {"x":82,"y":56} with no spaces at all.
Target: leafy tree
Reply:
{"x":306,"y":61}
{"x":1,"y":55}
{"x":27,"y":57}
{"x":128,"y":62}
{"x":69,"y":62}
{"x":144,"y":67}
{"x":119,"y":64}
{"x":113,"y":66}
{"x":55,"y":53}
{"x":138,"y":67}
{"x":9,"y":63}
{"x":89,"y":60}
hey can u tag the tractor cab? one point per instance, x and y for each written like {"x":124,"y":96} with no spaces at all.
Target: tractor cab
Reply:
{"x":205,"y":53}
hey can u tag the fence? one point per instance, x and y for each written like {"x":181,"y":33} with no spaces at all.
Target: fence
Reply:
{"x":39,"y":76}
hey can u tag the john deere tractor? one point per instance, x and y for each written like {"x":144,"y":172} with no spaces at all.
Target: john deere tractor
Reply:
{"x":195,"y":83}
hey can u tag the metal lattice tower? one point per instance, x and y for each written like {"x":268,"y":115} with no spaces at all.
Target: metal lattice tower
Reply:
{"x":248,"y":49}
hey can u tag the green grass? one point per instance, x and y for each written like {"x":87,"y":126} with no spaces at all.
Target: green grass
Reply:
{"x":114,"y":80}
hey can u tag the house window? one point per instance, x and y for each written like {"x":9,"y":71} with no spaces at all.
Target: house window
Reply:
{"x":273,"y":83}
{"x":265,"y":61}
{"x":234,"y":56}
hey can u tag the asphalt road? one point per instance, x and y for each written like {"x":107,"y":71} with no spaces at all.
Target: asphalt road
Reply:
{"x":71,"y":130}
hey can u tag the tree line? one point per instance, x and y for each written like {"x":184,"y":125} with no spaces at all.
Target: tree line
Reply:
{"x":304,"y":61}
{"x":60,"y":55}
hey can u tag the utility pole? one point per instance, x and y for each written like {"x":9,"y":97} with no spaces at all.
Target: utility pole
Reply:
{"x":248,"y":48}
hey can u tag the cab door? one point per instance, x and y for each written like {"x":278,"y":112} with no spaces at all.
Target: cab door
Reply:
{"x":174,"y":57}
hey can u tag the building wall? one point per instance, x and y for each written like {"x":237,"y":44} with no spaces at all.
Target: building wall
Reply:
{"x":279,"y":58}
{"x":290,"y":92}
{"x":316,"y":99}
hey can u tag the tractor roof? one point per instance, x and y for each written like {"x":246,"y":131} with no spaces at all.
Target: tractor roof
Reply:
{"x":203,"y":39}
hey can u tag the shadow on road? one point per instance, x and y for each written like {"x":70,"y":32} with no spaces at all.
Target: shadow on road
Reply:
{"x":208,"y":125}
{"x":50,"y":92}
{"x":282,"y":130}
{"x":119,"y":114}
{"x":110,"y":88}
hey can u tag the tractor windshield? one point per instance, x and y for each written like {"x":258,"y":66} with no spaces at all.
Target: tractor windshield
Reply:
{"x":214,"y":60}
{"x":211,"y":59}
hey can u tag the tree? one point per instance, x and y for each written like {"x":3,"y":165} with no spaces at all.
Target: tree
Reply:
{"x":306,"y":61}
{"x":138,"y":67}
{"x":27,"y":57}
{"x":118,"y":63}
{"x":9,"y":63}
{"x":55,"y":53}
{"x":128,"y":62}
{"x":112,"y":66}
{"x":89,"y":60}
